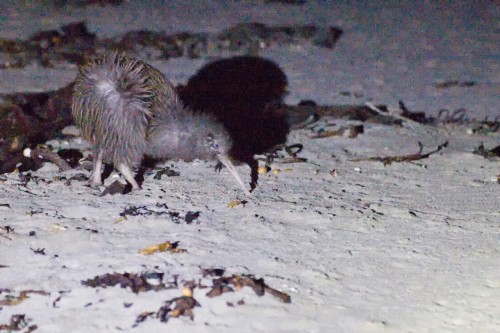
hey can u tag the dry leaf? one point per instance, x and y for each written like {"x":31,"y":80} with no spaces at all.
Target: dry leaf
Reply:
{"x":163,"y":247}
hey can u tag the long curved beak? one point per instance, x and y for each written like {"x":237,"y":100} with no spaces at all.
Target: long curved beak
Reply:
{"x":230,"y":166}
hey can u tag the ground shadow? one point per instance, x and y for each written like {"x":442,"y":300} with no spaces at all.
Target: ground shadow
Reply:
{"x":245,"y":93}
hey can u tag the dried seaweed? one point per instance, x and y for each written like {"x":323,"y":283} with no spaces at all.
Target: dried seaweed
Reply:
{"x":235,"y":203}
{"x":455,"y":83}
{"x":212,"y":272}
{"x":142,"y":317}
{"x":157,"y":211}
{"x":252,"y":36}
{"x":191,"y":216}
{"x":486,"y":126}
{"x":71,"y":43}
{"x":361,"y":113}
{"x":184,"y":305}
{"x":71,"y":156}
{"x":29,"y":119}
{"x":45,"y":154}
{"x":116,"y":187}
{"x":404,"y":158}
{"x":491,"y":154}
{"x":292,"y":151}
{"x":84,"y":3}
{"x":322,"y":133}
{"x":8,"y":229}
{"x":169,"y":172}
{"x":287,"y":2}
{"x":419,"y":116}
{"x":23,"y":295}
{"x":172,"y":247}
{"x":225,"y":284}
{"x":458,"y":116}
{"x":40,"y":251}
{"x":136,"y":282}
{"x":17,"y":322}
{"x":176,"y":307}
{"x":353,"y":130}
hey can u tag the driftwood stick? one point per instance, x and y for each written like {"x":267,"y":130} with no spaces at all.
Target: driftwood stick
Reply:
{"x":45,"y":154}
{"x":403,"y":158}
{"x":351,"y":112}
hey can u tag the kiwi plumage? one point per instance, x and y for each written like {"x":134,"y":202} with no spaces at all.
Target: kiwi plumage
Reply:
{"x":127,"y":109}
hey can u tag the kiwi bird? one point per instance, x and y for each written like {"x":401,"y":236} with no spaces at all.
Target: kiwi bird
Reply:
{"x":127,"y":109}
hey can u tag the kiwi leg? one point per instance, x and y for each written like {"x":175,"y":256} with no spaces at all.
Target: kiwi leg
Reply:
{"x":95,"y":177}
{"x":127,"y":173}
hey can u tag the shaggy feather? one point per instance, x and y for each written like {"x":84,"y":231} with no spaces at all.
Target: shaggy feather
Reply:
{"x":128,"y":109}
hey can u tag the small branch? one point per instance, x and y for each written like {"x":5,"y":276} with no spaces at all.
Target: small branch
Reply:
{"x":380,"y":112}
{"x":45,"y":154}
{"x":404,"y":158}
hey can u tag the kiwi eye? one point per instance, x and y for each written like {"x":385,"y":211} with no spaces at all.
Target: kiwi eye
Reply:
{"x":211,"y":143}
{"x":214,"y":146}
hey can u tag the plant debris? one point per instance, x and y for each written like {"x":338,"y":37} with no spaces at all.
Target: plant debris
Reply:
{"x":491,"y":154}
{"x":169,"y":172}
{"x":174,"y":308}
{"x":225,"y":284}
{"x":322,"y":133}
{"x":182,"y":306}
{"x":142,"y":317}
{"x":29,"y":119}
{"x":458,"y":116}
{"x":212,"y":272}
{"x":45,"y":154}
{"x":94,"y":231}
{"x":159,"y":210}
{"x":136,"y":282}
{"x":23,"y":295}
{"x":353,"y":130}
{"x":84,"y":3}
{"x":17,"y":323}
{"x":163,"y":247}
{"x":361,"y":113}
{"x":291,"y":150}
{"x":38,"y":251}
{"x":71,"y":156}
{"x":419,"y":116}
{"x":6,"y":229}
{"x":235,"y":203}
{"x":144,"y":211}
{"x":191,"y":216}
{"x":252,"y":36}
{"x":116,"y":187}
{"x":72,"y":44}
{"x":287,"y":2}
{"x":455,"y":83}
{"x":404,"y":158}
{"x":487,"y":126}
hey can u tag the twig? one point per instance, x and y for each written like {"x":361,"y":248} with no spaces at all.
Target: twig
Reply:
{"x":380,"y":112}
{"x":404,"y":158}
{"x":45,"y":154}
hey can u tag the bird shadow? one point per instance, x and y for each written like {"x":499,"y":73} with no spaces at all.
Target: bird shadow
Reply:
{"x":245,"y":93}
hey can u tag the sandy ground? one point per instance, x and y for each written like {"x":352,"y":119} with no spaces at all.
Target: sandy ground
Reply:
{"x":408,"y":247}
